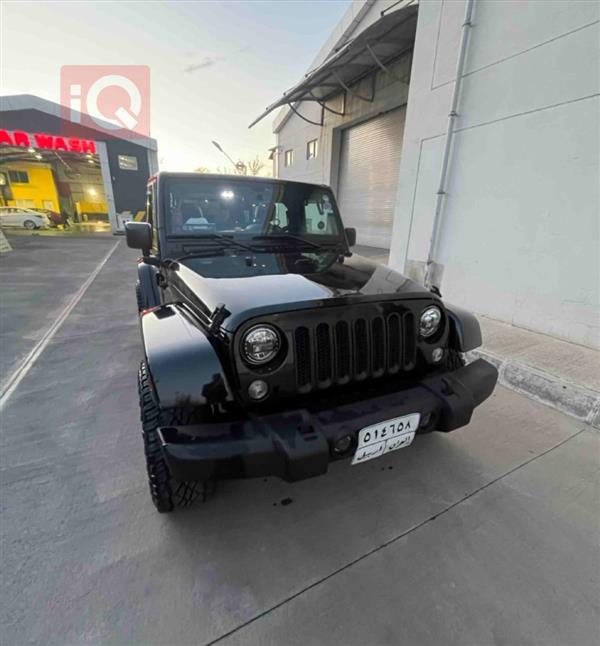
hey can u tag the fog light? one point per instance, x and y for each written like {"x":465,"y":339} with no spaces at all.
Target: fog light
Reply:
{"x":343,"y":444}
{"x":425,"y":420}
{"x":258,"y":389}
{"x":437,"y":354}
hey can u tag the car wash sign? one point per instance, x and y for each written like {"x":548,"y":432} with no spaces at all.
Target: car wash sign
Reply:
{"x":45,"y":141}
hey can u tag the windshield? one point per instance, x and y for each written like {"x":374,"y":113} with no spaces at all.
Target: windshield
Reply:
{"x":203,"y":206}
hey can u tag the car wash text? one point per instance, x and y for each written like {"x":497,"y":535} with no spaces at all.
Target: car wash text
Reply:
{"x":47,"y":142}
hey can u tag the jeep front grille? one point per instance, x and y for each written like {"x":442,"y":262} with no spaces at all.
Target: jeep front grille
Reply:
{"x":353,"y":350}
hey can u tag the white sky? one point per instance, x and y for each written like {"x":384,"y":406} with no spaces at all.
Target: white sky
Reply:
{"x":251,"y":53}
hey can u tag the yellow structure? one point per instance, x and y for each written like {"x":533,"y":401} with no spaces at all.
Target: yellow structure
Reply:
{"x":39,"y":192}
{"x":90,"y":207}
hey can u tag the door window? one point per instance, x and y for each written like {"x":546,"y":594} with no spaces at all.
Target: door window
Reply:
{"x":149,"y":207}
{"x":151,"y":217}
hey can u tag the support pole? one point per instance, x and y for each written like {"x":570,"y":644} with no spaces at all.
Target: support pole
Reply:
{"x":314,"y":123}
{"x":350,"y":91}
{"x":383,"y":67}
{"x":430,"y":279}
{"x":326,"y":107}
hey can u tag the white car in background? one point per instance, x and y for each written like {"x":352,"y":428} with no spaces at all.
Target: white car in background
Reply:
{"x":14,"y":216}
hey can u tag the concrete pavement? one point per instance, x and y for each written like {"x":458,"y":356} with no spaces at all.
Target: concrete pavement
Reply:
{"x":38,"y":278}
{"x":487,"y":535}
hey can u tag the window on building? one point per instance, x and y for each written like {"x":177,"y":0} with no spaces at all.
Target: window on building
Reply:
{"x":312,"y":149}
{"x":25,"y":204}
{"x":128,"y":162}
{"x":289,"y":157}
{"x":18,"y":176}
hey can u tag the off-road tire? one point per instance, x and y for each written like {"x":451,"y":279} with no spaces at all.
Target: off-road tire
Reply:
{"x":453,"y":360}
{"x":138,"y":296}
{"x":166,"y":492}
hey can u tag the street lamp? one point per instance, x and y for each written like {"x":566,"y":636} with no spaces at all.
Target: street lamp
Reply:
{"x":239,"y":166}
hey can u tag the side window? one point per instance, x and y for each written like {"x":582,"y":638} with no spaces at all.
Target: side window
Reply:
{"x":280,"y":218}
{"x":152,"y":217}
{"x":319,"y":216}
{"x":316,"y":219}
{"x":150,"y":207}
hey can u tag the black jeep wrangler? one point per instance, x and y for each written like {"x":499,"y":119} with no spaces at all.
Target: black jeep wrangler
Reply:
{"x":270,"y":349}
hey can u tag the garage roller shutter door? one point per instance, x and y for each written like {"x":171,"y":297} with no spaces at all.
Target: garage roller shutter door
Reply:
{"x":368,"y":176}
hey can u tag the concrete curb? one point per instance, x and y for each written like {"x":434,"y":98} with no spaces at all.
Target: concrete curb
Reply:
{"x":573,"y":399}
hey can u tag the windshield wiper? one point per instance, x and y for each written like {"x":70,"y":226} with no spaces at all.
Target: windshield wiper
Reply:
{"x":288,"y":236}
{"x":203,"y":253}
{"x":333,"y":245}
{"x":218,"y":238}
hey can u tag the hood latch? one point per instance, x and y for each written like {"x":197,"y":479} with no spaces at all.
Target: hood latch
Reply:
{"x":217,"y":317}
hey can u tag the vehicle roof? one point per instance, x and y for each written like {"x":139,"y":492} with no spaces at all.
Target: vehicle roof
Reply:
{"x":238,"y":178}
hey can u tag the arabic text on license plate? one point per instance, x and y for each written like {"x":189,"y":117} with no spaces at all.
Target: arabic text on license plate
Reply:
{"x":374,"y":441}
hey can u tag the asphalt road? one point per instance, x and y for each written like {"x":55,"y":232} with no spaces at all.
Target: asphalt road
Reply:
{"x":488,"y":535}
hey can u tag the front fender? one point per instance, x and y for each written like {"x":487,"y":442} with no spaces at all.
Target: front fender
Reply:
{"x":148,"y":295}
{"x":184,"y":366}
{"x":465,"y":328}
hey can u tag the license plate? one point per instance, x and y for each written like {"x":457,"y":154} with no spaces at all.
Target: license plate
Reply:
{"x":391,"y":435}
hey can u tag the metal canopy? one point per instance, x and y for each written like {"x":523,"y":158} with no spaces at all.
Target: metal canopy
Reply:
{"x":371,"y":50}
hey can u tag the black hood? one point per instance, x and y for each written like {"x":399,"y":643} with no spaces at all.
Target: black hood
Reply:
{"x":268,"y":283}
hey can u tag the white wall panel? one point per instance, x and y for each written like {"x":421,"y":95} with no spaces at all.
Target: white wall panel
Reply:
{"x":520,"y":239}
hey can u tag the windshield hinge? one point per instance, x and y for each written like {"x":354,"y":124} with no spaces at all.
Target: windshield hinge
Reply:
{"x":217,"y":317}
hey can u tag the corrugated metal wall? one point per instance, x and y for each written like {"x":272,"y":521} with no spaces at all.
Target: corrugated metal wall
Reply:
{"x":368,"y":176}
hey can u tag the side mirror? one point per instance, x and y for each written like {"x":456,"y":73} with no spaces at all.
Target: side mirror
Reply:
{"x":350,"y":236}
{"x":139,"y":236}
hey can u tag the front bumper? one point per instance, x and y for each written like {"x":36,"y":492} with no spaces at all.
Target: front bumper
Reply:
{"x":298,"y":444}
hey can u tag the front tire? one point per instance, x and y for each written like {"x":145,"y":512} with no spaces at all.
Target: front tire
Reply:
{"x":166,"y":492}
{"x":29,"y":225}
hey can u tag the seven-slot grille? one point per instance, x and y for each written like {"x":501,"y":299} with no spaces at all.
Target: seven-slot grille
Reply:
{"x":330,"y":353}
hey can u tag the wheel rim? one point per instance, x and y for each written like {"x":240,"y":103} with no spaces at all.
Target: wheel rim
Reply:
{"x":28,"y":224}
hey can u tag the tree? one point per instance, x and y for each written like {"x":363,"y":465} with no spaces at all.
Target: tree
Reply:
{"x":254,"y":166}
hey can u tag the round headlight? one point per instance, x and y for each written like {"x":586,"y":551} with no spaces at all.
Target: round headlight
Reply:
{"x":260,"y":344}
{"x":430,"y":321}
